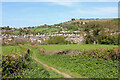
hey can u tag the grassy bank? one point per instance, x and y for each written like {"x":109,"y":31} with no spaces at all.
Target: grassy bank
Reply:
{"x":75,"y":46}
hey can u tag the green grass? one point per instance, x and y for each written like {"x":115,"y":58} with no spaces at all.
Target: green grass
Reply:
{"x":52,"y":74}
{"x":34,"y":69}
{"x":10,"y":49}
{"x":43,"y":30}
{"x":81,"y":66}
{"x":34,"y":30}
{"x":75,"y":46}
{"x":77,"y":66}
{"x":16,"y":32}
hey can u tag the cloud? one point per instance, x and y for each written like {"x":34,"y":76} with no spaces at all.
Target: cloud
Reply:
{"x":97,"y":11}
{"x":68,"y":4}
{"x":108,"y":10}
{"x":59,"y":1}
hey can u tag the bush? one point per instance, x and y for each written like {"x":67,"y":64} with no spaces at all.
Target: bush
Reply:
{"x":107,"y":54}
{"x":12,"y":67}
{"x":22,"y":66}
{"x":107,"y":40}
{"x":55,"y":40}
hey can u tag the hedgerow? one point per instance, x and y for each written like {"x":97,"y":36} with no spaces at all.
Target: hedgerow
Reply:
{"x":22,"y":66}
{"x":107,"y":54}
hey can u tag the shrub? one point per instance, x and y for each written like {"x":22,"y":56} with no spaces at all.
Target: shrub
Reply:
{"x":12,"y":67}
{"x":107,"y":54}
{"x":55,"y":40}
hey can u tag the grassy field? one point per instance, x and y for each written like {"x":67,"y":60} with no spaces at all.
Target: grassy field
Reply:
{"x":35,"y":30}
{"x":75,"y":46}
{"x":52,"y":74}
{"x":34,"y":67}
{"x":81,"y":66}
{"x":10,"y":49}
{"x":76,"y":66}
{"x":43,"y":30}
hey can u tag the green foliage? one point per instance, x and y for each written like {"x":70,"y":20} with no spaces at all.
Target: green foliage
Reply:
{"x":96,"y":32}
{"x":20,"y":67}
{"x":12,"y":67}
{"x":33,"y":30}
{"x":34,"y":70}
{"x":73,"y":19}
{"x":107,"y":40}
{"x":101,"y":39}
{"x":95,"y":28}
{"x":89,"y":39}
{"x":43,"y":30}
{"x":16,"y":41}
{"x":55,"y":40}
{"x":18,"y":63}
{"x":5,"y":28}
{"x":106,"y":54}
{"x":85,"y":65}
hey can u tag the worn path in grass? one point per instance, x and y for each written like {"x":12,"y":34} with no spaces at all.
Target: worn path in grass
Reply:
{"x":34,"y":56}
{"x":65,"y":75}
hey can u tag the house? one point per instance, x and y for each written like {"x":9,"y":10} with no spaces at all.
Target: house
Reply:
{"x":9,"y":39}
{"x":5,"y":40}
{"x":12,"y":29}
{"x":39,"y":41}
{"x":31,"y":35}
{"x":76,"y":31}
{"x":32,"y":39}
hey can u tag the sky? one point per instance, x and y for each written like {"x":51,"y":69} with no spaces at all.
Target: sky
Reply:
{"x":24,"y":14}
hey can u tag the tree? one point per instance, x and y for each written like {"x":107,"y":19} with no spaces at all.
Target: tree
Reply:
{"x":7,"y":27}
{"x":73,"y":19}
{"x":55,"y":40}
{"x":78,"y":23}
{"x":96,"y":32}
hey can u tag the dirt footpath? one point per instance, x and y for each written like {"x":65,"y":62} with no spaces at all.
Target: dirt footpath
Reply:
{"x":65,"y":75}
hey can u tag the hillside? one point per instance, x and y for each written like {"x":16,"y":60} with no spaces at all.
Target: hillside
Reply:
{"x":78,"y":31}
{"x":72,"y":25}
{"x":78,"y":24}
{"x":79,"y":48}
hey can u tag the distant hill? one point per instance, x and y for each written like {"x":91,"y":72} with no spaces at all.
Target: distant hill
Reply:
{"x":102,"y":31}
{"x":79,"y":24}
{"x":72,"y":25}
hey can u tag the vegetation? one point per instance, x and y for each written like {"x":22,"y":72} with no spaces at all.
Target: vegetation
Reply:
{"x":100,"y":30}
{"x":16,"y":41}
{"x":75,"y":46}
{"x":107,"y":40}
{"x":18,"y":63}
{"x":79,"y":61}
{"x":55,"y":40}
{"x":93,"y":63}
{"x":34,"y":30}
{"x":85,"y":65}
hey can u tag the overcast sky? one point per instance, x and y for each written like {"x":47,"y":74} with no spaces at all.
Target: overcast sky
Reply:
{"x":21,"y":14}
